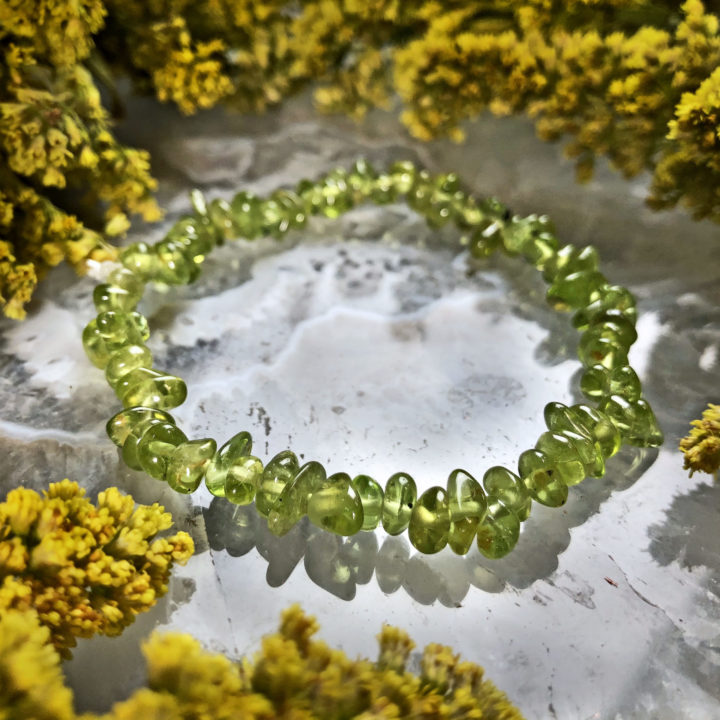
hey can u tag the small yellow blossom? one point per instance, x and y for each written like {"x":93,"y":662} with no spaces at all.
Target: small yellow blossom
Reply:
{"x":702,"y":445}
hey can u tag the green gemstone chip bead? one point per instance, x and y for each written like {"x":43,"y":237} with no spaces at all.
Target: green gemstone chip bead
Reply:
{"x":130,"y":448}
{"x":242,"y":479}
{"x":237,"y":447}
{"x":635,"y":420}
{"x":598,"y":382}
{"x":467,"y":505}
{"x":587,"y":421}
{"x":400,"y":496}
{"x":430,"y":521}
{"x":148,"y":387}
{"x":506,"y":486}
{"x":280,"y":471}
{"x":155,"y":447}
{"x":292,"y":504}
{"x":563,"y":454}
{"x":570,"y":259}
{"x":542,"y":478}
{"x":122,"y":424}
{"x":575,"y":290}
{"x":609,"y":298}
{"x":124,"y":361}
{"x":109,"y":297}
{"x":187,"y":463}
{"x":127,"y":280}
{"x":107,"y":333}
{"x":371,"y":496}
{"x":336,"y":506}
{"x":498,"y":532}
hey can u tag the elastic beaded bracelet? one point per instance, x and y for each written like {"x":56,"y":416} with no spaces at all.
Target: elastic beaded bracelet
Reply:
{"x":577,"y":443}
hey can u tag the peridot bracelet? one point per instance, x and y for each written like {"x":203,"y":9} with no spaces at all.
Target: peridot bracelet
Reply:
{"x":578,"y":441}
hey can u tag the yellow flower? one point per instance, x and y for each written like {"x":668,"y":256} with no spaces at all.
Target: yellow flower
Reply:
{"x":701,"y":446}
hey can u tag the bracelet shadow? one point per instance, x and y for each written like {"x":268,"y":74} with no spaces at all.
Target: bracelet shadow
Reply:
{"x":338,"y":565}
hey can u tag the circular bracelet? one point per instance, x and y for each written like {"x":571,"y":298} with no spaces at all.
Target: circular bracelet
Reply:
{"x":577,"y":443}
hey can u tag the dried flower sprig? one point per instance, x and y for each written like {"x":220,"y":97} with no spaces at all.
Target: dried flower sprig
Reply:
{"x":701,"y":446}
{"x":84,"y":568}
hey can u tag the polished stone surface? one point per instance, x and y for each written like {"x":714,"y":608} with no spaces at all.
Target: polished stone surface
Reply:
{"x":371,"y":344}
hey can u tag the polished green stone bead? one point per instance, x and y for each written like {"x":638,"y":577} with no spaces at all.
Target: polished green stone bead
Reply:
{"x":418,"y":197}
{"x":400,"y":496}
{"x":611,"y":299}
{"x":587,"y":421}
{"x":484,"y":241}
{"x":312,"y":196}
{"x":337,"y":196}
{"x":150,"y":388}
{"x":635,"y":420}
{"x":280,"y":471}
{"x":187,"y":464}
{"x":109,"y":297}
{"x":371,"y":497}
{"x":107,"y":333}
{"x":130,"y":446}
{"x":175,"y":264}
{"x":521,"y":235}
{"x":403,"y":175}
{"x":498,"y":531}
{"x":467,"y":505}
{"x":507,"y":487}
{"x":575,"y":290}
{"x":336,"y":506}
{"x":292,"y":504}
{"x":383,"y":190}
{"x":155,"y":447}
{"x":616,"y":324}
{"x":127,"y":280}
{"x":601,"y":351}
{"x":122,"y":424}
{"x":195,"y":238}
{"x":361,"y":179}
{"x":562,"y":453}
{"x":542,"y":478}
{"x":125,"y":360}
{"x":140,"y":259}
{"x":570,"y":259}
{"x":141,"y":324}
{"x":247,"y":215}
{"x":598,"y":382}
{"x":541,"y":249}
{"x":238,"y":446}
{"x":220,"y":215}
{"x":430,"y":521}
{"x":588,"y":451}
{"x":243,"y":479}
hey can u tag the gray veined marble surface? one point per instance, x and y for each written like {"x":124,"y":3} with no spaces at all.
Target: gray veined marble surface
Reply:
{"x":371,"y":345}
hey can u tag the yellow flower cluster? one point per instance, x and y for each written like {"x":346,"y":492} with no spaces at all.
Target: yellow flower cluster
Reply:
{"x":293,"y":678}
{"x":702,"y":444}
{"x":84,"y":568}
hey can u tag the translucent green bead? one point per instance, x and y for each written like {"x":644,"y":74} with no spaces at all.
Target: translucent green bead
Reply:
{"x":151,"y":388}
{"x":337,"y":196}
{"x":402,"y":174}
{"x":598,"y":382}
{"x":155,"y":447}
{"x":108,"y":297}
{"x":570,"y":259}
{"x":195,"y":239}
{"x":361,"y":179}
{"x":532,"y":236}
{"x":507,"y":487}
{"x":187,"y":464}
{"x":635,"y":420}
{"x":292,"y":504}
{"x":498,"y":532}
{"x":280,"y":471}
{"x":383,"y":190}
{"x":122,"y":424}
{"x":127,"y":280}
{"x":130,"y":446}
{"x":587,"y":421}
{"x":107,"y":333}
{"x":312,"y":196}
{"x":486,"y":239}
{"x":125,"y":360}
{"x":220,"y":215}
{"x":575,"y":290}
{"x":602,"y":351}
{"x":541,"y":249}
{"x":371,"y":497}
{"x":610,"y":298}
{"x":615,"y":324}
{"x":246,"y":215}
{"x":139,"y":259}
{"x":400,"y":496}
{"x":563,"y":455}
{"x":589,"y":452}
{"x":243,"y":479}
{"x":466,"y":504}
{"x":542,"y":478}
{"x":430,"y":521}
{"x":336,"y":506}
{"x":238,"y":446}
{"x":175,"y":266}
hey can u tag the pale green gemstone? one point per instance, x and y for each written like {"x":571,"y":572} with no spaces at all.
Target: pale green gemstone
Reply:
{"x":242,"y":480}
{"x":156,"y":446}
{"x":130,"y":446}
{"x":362,"y":178}
{"x":187,"y":463}
{"x":194,"y":236}
{"x":402,"y":174}
{"x":141,"y":324}
{"x":616,"y":325}
{"x":588,"y":451}
{"x":246,"y":215}
{"x":562,"y":453}
{"x":292,"y":504}
{"x":400,"y":496}
{"x":175,"y":265}
{"x":575,"y":290}
{"x":220,"y":215}
{"x":236,"y":447}
{"x":467,"y":505}
{"x":123,"y":423}
{"x":336,"y":506}
{"x":486,"y":239}
{"x":610,"y":298}
{"x":506,"y":486}
{"x":128,"y":281}
{"x":125,"y":360}
{"x":635,"y":420}
{"x":280,"y":471}
{"x":430,"y":521}
{"x":498,"y":532}
{"x":139,"y":259}
{"x":571,"y":259}
{"x":143,"y":387}
{"x":587,"y":421}
{"x":108,"y":297}
{"x":602,"y":350}
{"x":598,"y":383}
{"x":542,"y":478}
{"x":371,"y":497}
{"x":107,"y":333}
